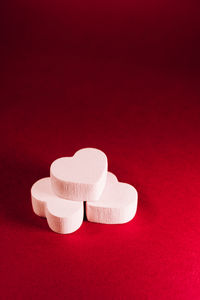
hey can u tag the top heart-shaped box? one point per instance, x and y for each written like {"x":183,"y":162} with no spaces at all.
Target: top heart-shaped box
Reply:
{"x":81,"y":177}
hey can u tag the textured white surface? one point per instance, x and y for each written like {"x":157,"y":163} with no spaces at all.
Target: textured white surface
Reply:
{"x":63,"y":216}
{"x":81,"y":177}
{"x":117,"y":204}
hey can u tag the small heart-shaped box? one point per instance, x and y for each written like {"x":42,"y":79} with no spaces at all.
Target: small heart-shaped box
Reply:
{"x":81,"y":177}
{"x":117,"y":204}
{"x":63,"y":216}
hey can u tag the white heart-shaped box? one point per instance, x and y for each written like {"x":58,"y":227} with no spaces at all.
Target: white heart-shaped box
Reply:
{"x":63,"y":216}
{"x":81,"y":177}
{"x":117,"y":204}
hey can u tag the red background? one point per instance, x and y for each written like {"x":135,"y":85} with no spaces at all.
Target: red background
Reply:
{"x":122,"y":76}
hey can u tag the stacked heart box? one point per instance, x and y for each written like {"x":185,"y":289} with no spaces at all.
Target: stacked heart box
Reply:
{"x":83,"y":177}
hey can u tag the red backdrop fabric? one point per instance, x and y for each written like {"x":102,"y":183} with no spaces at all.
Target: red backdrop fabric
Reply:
{"x":121,"y":76}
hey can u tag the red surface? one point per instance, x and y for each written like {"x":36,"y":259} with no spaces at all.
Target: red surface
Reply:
{"x":122,"y":76}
